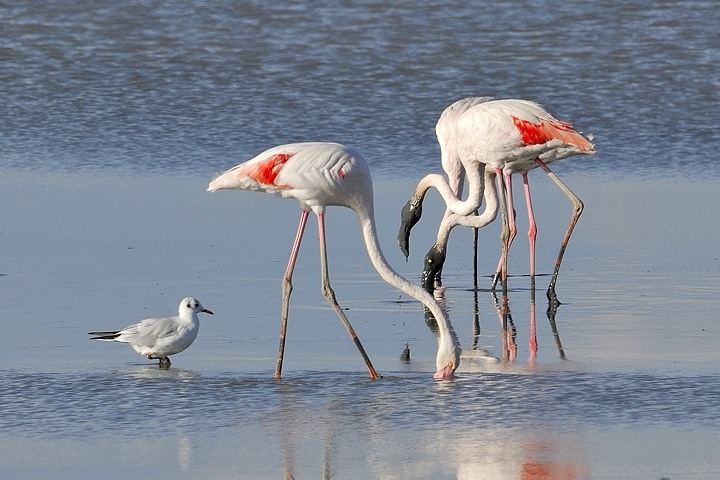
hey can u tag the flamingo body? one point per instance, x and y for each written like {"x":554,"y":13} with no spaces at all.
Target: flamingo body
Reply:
{"x":445,"y":130}
{"x":510,"y":134}
{"x":319,"y":175}
{"x":315,"y":174}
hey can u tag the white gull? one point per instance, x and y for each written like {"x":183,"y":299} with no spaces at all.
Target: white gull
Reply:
{"x":158,"y":338}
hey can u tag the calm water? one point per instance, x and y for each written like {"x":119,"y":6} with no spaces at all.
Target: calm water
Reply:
{"x":115,"y":117}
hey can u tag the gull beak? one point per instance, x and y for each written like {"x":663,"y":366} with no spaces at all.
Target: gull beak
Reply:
{"x":205,"y":310}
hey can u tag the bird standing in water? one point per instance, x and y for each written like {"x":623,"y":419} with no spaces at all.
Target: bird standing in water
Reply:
{"x":445,"y":132}
{"x":319,"y":175}
{"x":158,"y":338}
{"x":504,"y":136}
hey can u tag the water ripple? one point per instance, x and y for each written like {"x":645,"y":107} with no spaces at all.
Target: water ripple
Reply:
{"x":155,"y":402}
{"x":149,"y":88}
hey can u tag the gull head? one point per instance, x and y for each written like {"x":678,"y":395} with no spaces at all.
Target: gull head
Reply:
{"x":190,"y":306}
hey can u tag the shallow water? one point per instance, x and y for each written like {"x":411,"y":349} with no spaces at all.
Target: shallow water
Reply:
{"x":117,"y":116}
{"x":624,"y":382}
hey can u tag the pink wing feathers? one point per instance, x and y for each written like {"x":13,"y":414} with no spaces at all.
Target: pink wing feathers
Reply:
{"x":259,"y":173}
{"x":549,"y":129}
{"x":536,"y":126}
{"x":511,"y":134}
{"x":267,"y":170}
{"x":313,"y":173}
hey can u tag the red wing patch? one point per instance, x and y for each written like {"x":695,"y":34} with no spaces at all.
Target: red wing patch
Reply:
{"x":267,"y":170}
{"x":543,"y":132}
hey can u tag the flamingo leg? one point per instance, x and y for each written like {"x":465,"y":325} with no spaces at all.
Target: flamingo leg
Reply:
{"x":458,"y":191}
{"x":475,"y":258}
{"x":504,"y":237}
{"x":577,"y":211}
{"x":330,"y":296}
{"x":508,"y":225}
{"x":287,"y":290}
{"x":532,"y":229}
{"x":553,"y":326}
{"x":511,"y":209}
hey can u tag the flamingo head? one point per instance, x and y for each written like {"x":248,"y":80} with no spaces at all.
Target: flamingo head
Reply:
{"x":434,"y":261}
{"x":447,"y":361}
{"x":409,"y":216}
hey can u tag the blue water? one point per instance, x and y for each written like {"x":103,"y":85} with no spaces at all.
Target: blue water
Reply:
{"x":199,"y":87}
{"x":114,"y":117}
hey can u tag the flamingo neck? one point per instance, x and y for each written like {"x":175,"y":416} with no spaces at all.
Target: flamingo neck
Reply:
{"x":451,"y":219}
{"x":453,"y":203}
{"x":489,"y":213}
{"x":372,"y":244}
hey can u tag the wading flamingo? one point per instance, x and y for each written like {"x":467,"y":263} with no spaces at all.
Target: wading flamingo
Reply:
{"x":158,"y":338}
{"x":507,"y":136}
{"x":319,"y":175}
{"x":445,"y":132}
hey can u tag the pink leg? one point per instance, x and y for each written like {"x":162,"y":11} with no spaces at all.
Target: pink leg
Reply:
{"x":532,"y":339}
{"x":511,"y":209}
{"x":532,"y":229}
{"x":287,"y":290}
{"x":330,"y":296}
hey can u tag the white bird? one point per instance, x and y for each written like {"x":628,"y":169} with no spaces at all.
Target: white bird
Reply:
{"x":158,"y":338}
{"x":319,"y":175}
{"x":505,"y":136}
{"x":445,"y":132}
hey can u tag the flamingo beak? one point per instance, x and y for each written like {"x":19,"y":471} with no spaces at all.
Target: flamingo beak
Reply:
{"x":446,"y":373}
{"x":409,"y":216}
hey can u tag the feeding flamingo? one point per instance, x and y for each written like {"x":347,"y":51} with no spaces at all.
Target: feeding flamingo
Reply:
{"x":319,"y":175}
{"x":506,"y":136}
{"x":445,"y":132}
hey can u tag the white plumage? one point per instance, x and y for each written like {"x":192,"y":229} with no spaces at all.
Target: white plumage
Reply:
{"x":158,"y":338}
{"x":319,"y":175}
{"x":481,"y":138}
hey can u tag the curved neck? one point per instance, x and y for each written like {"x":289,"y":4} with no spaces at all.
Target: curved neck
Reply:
{"x":367,"y":223}
{"x":491,"y":207}
{"x":451,"y":219}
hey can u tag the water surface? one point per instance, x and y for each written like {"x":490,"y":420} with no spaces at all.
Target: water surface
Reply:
{"x":116,"y":116}
{"x":629,"y":357}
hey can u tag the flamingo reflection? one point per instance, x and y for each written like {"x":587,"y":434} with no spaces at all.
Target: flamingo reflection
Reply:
{"x":479,"y":358}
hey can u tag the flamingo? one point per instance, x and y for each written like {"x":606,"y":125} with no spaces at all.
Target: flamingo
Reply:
{"x":505,"y":136}
{"x":445,"y":132}
{"x":319,"y":175}
{"x":158,"y":338}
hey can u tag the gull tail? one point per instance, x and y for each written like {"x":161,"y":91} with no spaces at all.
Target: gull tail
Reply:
{"x":104,"y":335}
